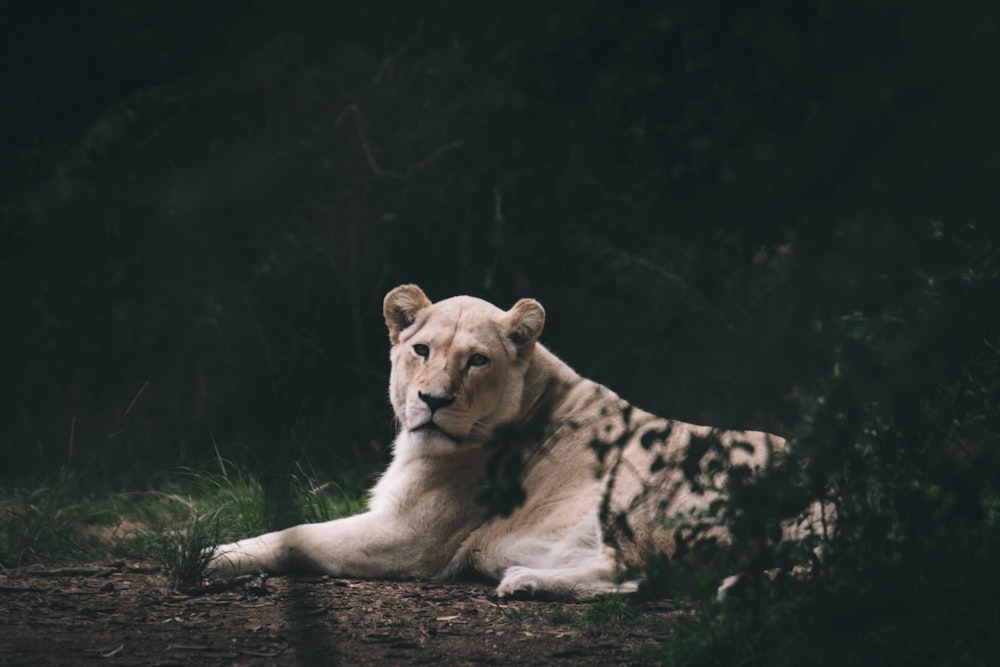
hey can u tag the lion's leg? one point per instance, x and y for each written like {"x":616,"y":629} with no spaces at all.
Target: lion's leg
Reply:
{"x":364,"y":545}
{"x":571,"y":562}
{"x":581,"y":582}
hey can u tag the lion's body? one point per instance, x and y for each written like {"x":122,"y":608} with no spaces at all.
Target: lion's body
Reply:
{"x":475,"y":396}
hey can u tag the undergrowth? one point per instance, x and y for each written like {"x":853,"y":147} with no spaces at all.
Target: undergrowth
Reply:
{"x":43,"y":523}
{"x":183,"y":549}
{"x":174,"y":524}
{"x":903,"y":440}
{"x":939,"y":609}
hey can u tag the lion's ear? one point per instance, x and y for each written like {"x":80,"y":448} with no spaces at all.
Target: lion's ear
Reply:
{"x":400,"y":308}
{"x":524,"y":322}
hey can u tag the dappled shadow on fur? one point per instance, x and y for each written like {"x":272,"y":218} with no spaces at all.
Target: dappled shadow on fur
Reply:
{"x":502,"y":489}
{"x":710,"y":503}
{"x":744,"y":508}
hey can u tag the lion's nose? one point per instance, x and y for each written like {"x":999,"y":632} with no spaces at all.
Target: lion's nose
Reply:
{"x":435,"y":402}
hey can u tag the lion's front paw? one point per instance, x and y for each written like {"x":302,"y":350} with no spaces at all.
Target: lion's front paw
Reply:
{"x":519,"y":579}
{"x":227,"y":560}
{"x":218,"y":564}
{"x":568,"y":583}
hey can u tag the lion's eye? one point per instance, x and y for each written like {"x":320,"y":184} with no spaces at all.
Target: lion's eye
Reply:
{"x":478,"y":360}
{"x":421,"y":350}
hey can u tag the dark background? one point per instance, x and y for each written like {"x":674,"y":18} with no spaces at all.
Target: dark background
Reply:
{"x":204,"y":203}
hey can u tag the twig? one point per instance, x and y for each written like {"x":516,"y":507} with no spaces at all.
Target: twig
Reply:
{"x":262,"y":654}
{"x":497,"y":207}
{"x":134,"y":400}
{"x":359,"y":124}
{"x":190,"y":647}
{"x":22,"y":589}
{"x":72,"y":442}
{"x":76,"y":571}
{"x":216,"y":586}
{"x":113,"y":652}
{"x":436,"y":154}
{"x":119,"y":429}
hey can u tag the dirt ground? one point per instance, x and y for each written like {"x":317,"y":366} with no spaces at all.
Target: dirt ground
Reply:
{"x":128,"y":614}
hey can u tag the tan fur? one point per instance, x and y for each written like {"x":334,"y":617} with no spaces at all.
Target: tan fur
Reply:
{"x":471,"y":385}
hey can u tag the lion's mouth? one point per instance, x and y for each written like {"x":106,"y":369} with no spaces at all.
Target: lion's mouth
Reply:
{"x":431,"y":427}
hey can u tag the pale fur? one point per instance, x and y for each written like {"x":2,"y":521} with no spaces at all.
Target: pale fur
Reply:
{"x":599,"y":476}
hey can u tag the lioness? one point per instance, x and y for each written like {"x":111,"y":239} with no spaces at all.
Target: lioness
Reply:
{"x":476,"y":395}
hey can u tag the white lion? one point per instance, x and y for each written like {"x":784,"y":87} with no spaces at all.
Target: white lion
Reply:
{"x":509,"y":464}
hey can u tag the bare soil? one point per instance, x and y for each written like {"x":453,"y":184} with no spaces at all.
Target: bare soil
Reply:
{"x":128,"y":614}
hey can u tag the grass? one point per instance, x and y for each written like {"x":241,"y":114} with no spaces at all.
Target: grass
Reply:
{"x":175,"y":523}
{"x":610,"y":611}
{"x":604,"y":613}
{"x":560,"y":615}
{"x":42,"y":524}
{"x":330,"y":499}
{"x":185,"y":550}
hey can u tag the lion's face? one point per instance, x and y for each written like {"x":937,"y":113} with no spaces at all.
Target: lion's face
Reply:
{"x":458,"y":365}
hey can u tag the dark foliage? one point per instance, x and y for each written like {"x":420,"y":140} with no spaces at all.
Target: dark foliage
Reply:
{"x":902,"y":437}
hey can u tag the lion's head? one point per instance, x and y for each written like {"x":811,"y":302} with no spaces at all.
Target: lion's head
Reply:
{"x":458,"y":366}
